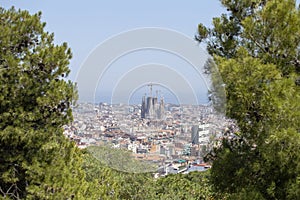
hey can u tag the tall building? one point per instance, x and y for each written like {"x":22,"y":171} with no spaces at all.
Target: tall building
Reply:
{"x":195,"y":134}
{"x":143,"y":108}
{"x":161,"y":109}
{"x":151,"y":109}
{"x":200,"y":134}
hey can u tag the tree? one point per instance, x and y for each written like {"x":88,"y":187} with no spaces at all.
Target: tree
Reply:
{"x":255,"y":46}
{"x":37,"y":161}
{"x":108,"y":183}
{"x":120,"y":159}
{"x":194,"y":185}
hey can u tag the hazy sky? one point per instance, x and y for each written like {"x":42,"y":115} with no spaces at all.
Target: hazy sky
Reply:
{"x":84,"y":25}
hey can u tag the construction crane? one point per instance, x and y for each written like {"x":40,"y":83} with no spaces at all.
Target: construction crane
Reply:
{"x":158,"y":92}
{"x":150,"y":85}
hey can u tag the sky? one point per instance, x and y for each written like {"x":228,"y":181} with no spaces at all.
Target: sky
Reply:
{"x":84,"y":25}
{"x":87,"y":25}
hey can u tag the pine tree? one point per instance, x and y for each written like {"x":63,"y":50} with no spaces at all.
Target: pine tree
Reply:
{"x":255,"y":46}
{"x":37,"y":161}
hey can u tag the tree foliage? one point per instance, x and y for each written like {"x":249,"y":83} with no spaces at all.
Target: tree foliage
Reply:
{"x":194,"y":185}
{"x":37,"y":161}
{"x":256,"y":48}
{"x":120,"y":159}
{"x":108,"y":183}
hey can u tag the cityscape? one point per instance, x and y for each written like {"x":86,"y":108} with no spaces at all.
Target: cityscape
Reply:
{"x":174,"y":138}
{"x":152,"y":100}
